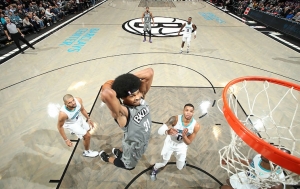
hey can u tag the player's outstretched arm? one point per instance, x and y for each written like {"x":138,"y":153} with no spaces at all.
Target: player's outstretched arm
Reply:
{"x":167,"y":128}
{"x":189,"y":139}
{"x":146,"y":77}
{"x":109,"y":97}
{"x":62,"y":117}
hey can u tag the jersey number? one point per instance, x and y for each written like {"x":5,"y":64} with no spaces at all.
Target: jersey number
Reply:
{"x":179,"y":137}
{"x":147,"y":125}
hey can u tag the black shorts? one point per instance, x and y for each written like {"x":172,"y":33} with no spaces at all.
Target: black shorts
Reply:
{"x":119,"y":163}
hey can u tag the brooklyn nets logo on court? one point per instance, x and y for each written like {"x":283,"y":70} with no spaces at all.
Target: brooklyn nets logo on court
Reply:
{"x":163,"y":26}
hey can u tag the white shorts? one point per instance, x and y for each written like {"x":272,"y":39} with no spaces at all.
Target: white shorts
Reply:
{"x":186,"y":38}
{"x":80,"y":127}
{"x":241,"y":183}
{"x":179,"y":149}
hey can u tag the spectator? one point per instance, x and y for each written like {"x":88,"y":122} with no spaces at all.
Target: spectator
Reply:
{"x":33,"y":22}
{"x":45,"y":19}
{"x":21,"y":14}
{"x":50,"y":15}
{"x":39,"y":21}
{"x":2,"y":19}
{"x":28,"y":25}
{"x":14,"y":18}
{"x":41,"y":8}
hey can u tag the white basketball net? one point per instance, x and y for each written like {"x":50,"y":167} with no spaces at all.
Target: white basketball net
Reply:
{"x":273,"y":115}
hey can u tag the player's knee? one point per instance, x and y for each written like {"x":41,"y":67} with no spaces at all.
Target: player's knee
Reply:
{"x":87,"y":136}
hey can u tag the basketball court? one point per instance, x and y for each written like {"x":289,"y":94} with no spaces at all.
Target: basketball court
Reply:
{"x":100,"y":45}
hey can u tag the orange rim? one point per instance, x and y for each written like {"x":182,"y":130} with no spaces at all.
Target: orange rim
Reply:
{"x":275,"y":155}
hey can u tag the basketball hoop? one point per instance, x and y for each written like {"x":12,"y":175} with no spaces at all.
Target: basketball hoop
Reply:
{"x":259,"y":122}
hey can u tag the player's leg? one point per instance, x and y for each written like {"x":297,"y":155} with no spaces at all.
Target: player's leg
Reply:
{"x":149,"y":29}
{"x":166,"y":153}
{"x":182,"y":44}
{"x":188,"y":44}
{"x":81,"y":130}
{"x":180,"y":155}
{"x":145,"y":30}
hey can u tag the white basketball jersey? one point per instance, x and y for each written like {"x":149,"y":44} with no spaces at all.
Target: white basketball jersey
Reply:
{"x":74,"y":115}
{"x":180,"y":126}
{"x":261,"y":172}
{"x":188,"y":29}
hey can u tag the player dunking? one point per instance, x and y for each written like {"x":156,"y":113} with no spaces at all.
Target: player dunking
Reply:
{"x":132,"y":116}
{"x":181,"y":130}
{"x":146,"y":20}
{"x":189,"y":27}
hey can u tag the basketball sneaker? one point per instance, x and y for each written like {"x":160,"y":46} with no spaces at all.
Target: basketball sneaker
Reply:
{"x":150,"y":41}
{"x":153,"y":174}
{"x":144,"y":40}
{"x":180,"y":51}
{"x":117,"y":153}
{"x":90,"y":153}
{"x":187,"y":51}
{"x":104,"y":156}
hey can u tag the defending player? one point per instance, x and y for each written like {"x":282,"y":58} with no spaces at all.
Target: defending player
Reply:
{"x":189,"y":27}
{"x":262,"y":168}
{"x":132,"y":116}
{"x":146,"y":20}
{"x":181,"y":130}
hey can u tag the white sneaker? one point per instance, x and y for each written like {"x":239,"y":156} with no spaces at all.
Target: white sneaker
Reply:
{"x":90,"y":153}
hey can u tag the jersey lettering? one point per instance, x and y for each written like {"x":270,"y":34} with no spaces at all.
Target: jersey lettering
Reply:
{"x":141,"y":114}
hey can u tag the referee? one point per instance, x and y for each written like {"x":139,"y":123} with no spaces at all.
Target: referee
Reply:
{"x":15,"y":33}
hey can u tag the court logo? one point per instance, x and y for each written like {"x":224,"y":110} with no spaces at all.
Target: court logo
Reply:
{"x":163,"y":26}
{"x":212,"y":17}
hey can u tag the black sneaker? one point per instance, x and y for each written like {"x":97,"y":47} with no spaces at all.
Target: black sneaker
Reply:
{"x":117,"y":153}
{"x":153,"y":174}
{"x":104,"y":156}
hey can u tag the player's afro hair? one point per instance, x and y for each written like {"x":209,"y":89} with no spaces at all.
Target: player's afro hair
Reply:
{"x":126,"y":84}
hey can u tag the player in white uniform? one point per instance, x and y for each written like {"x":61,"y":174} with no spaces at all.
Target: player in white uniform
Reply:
{"x":181,"y":130}
{"x":71,"y":119}
{"x":262,"y":169}
{"x":189,"y":27}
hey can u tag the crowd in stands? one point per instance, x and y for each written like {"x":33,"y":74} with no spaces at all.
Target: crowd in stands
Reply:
{"x":31,"y":16}
{"x":285,"y":9}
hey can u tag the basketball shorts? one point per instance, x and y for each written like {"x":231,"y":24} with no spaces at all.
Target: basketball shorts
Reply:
{"x":132,"y":153}
{"x":186,"y":38}
{"x":80,"y":127}
{"x":170,"y":147}
{"x":147,"y":26}
{"x":241,"y":183}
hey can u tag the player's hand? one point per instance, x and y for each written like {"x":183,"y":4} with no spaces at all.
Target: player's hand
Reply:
{"x":69,"y":143}
{"x":172,"y":131}
{"x":184,"y":132}
{"x":22,"y":35}
{"x":8,"y":38}
{"x":91,"y":123}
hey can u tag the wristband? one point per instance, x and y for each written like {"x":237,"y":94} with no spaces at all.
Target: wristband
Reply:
{"x":162,"y":130}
